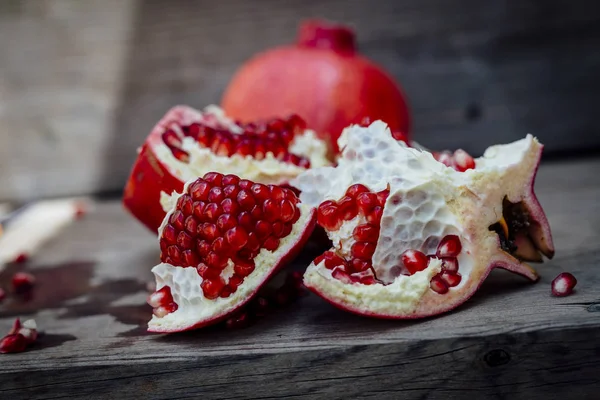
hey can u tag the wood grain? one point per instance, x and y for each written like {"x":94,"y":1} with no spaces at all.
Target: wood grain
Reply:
{"x":511,"y":340}
{"x":81,"y":84}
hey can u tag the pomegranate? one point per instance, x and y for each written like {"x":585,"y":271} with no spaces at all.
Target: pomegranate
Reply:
{"x":220,"y":241}
{"x":323,"y":78}
{"x":187,"y":143}
{"x":413,"y":237}
{"x":563,"y":284}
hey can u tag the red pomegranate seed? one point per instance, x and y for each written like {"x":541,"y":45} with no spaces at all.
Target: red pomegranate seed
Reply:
{"x":216,"y":261}
{"x":332,"y":260}
{"x":246,"y":200}
{"x":356,"y":189}
{"x":341,"y":275}
{"x":253,"y":244}
{"x":212,"y":211}
{"x":208,"y":273}
{"x":184,"y":240}
{"x":205,"y":135}
{"x":199,"y":190}
{"x":358,"y":265}
{"x":272,"y":210}
{"x":414,"y":261}
{"x":256,"y":213}
{"x":237,"y":237}
{"x":563,"y":284}
{"x":245,"y":221}
{"x":230,"y":206}
{"x":367,"y":280}
{"x":171,"y":139}
{"x":328,"y":217}
{"x":366,"y":202}
{"x":231,"y":191}
{"x":226,"y":292}
{"x":262,"y":229}
{"x":375,"y":215}
{"x":260,"y":192}
{"x":438,"y":285}
{"x":177,"y":220}
{"x":319,"y":259}
{"x":185,"y":204}
{"x":191,"y":226}
{"x":203,"y":248}
{"x":382,"y":197}
{"x":15,"y":343}
{"x":366,"y":233}
{"x":277,"y":193}
{"x":463,"y":161}
{"x":243,"y":270}
{"x":450,"y":264}
{"x":445,"y":157}
{"x":220,"y":246}
{"x":296,"y":123}
{"x":179,"y":154}
{"x":22,"y":282}
{"x":287,"y":210}
{"x":190,"y":258}
{"x":174,"y":253}
{"x":287,"y":229}
{"x":245,"y":148}
{"x":169,"y":234}
{"x":449,"y":246}
{"x":198,"y":209}
{"x":363,"y":250}
{"x":214,"y":178}
{"x":209,"y":231}
{"x":450,"y":278}
{"x":21,"y":258}
{"x":245,"y":184}
{"x":235,"y":281}
{"x":212,"y":288}
{"x":230,"y":179}
{"x":271,"y":243}
{"x":216,"y":195}
{"x":347,"y":208}
{"x":226,"y":222}
{"x":400,"y":136}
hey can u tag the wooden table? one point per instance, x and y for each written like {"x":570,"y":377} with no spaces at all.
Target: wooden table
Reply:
{"x":511,"y":340}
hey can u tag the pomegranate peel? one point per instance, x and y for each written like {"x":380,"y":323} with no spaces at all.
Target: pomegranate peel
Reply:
{"x":208,"y":275}
{"x":187,"y":143}
{"x":458,"y":223}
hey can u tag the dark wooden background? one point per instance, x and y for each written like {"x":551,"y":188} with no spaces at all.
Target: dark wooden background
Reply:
{"x":81,"y":83}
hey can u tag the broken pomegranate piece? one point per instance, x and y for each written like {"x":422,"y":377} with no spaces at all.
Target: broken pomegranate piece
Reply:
{"x":221,"y":240}
{"x":187,"y":143}
{"x":19,"y":337}
{"x":414,"y":236}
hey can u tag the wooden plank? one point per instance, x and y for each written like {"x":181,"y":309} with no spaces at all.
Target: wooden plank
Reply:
{"x":511,"y":340}
{"x":82,"y":83}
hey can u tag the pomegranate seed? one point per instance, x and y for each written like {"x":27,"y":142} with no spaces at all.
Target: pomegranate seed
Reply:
{"x":216,"y":195}
{"x":231,"y":191}
{"x":21,"y":258}
{"x":261,"y":192}
{"x":230,"y":179}
{"x":253,"y":244}
{"x":209,"y":231}
{"x":450,"y":264}
{"x":171,"y":139}
{"x":246,"y":200}
{"x":277,"y":229}
{"x":22,"y":282}
{"x":272,"y":210}
{"x":332,"y":260}
{"x":366,"y":202}
{"x":375,"y":215}
{"x":199,"y":209}
{"x":438,"y":285}
{"x":212,"y":288}
{"x":238,"y":321}
{"x":563,"y":284}
{"x":262,"y":229}
{"x":169,"y":234}
{"x":237,"y":237}
{"x":357,"y":265}
{"x":463,"y":160}
{"x":347,"y":208}
{"x":245,"y":220}
{"x":212,"y":212}
{"x":449,"y":246}
{"x":220,"y":246}
{"x":194,"y":129}
{"x":15,"y":343}
{"x":296,"y":123}
{"x":382,"y":197}
{"x":414,"y":261}
{"x":205,"y":135}
{"x":243,"y":270}
{"x":259,"y":150}
{"x":216,"y":261}
{"x":207,"y":273}
{"x":177,"y":220}
{"x":450,"y":278}
{"x":328,"y":218}
{"x":356,"y":189}
{"x":199,"y":190}
{"x":445,"y":157}
{"x":296,"y":216}
{"x":319,"y":259}
{"x":366,"y":233}
{"x":229,"y":206}
{"x":271,"y":244}
{"x":400,"y":136}
{"x":190,"y":258}
{"x":174,"y":253}
{"x":235,"y":281}
{"x":367,"y":280}
{"x":226,"y":292}
{"x":203,"y":248}
{"x":363,"y":250}
{"x":287,"y":229}
{"x":277,"y":193}
{"x":245,"y":148}
{"x":245,"y":184}
{"x":184,"y":240}
{"x":341,"y":275}
{"x":185,"y":204}
{"x":160,"y":297}
{"x":214,"y":178}
{"x":179,"y":154}
{"x":287,"y":210}
{"x":226,"y":222}
{"x":191,"y":226}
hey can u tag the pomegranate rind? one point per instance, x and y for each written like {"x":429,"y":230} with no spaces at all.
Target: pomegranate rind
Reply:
{"x":194,"y":310}
{"x":156,"y":172}
{"x":427,"y":202}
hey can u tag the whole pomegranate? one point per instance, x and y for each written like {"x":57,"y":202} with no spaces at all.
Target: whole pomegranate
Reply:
{"x":322,"y":78}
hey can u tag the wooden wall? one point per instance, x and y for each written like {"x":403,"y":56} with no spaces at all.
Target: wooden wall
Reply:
{"x":81,"y":83}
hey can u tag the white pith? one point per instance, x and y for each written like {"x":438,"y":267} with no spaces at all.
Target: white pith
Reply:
{"x":269,"y":170}
{"x":427,"y":201}
{"x":193,"y":307}
{"x":343,"y":238}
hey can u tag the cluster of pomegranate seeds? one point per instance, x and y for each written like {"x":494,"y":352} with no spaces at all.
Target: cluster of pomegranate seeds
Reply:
{"x":222,"y":218}
{"x":257,"y":140}
{"x":162,"y":302}
{"x":358,"y":200}
{"x":460,"y":160}
{"x":448,"y":250}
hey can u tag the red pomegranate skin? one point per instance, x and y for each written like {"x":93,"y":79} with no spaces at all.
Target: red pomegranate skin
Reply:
{"x":322,"y":78}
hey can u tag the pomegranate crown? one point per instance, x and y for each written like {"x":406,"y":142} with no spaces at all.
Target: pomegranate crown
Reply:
{"x":317,"y":33}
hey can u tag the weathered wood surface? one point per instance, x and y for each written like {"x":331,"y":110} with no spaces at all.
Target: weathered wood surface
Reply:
{"x":511,"y":340}
{"x":82,"y":83}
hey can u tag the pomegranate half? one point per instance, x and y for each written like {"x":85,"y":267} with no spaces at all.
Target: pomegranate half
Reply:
{"x":221,"y":240}
{"x":187,"y":143}
{"x":414,"y":237}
